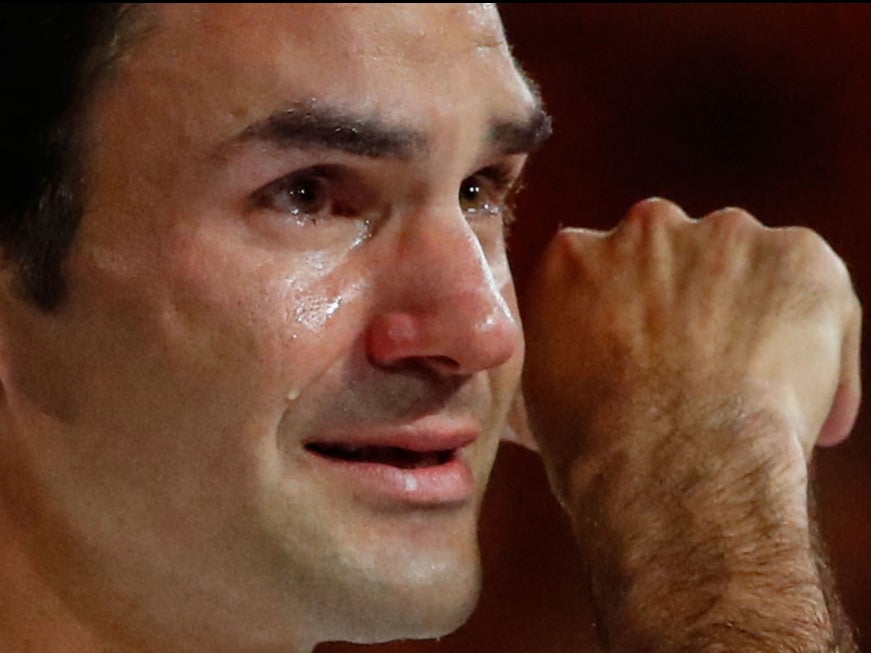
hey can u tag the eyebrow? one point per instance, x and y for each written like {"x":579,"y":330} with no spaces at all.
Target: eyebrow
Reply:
{"x":333,"y":129}
{"x":518,"y":137}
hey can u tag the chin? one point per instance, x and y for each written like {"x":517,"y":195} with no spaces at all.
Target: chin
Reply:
{"x":421,"y":598}
{"x":413,"y":620}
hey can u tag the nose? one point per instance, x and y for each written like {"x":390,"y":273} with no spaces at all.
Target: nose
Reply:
{"x":445,"y":308}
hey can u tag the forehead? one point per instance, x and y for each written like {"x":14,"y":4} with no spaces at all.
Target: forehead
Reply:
{"x":370,"y":54}
{"x":419,"y":31}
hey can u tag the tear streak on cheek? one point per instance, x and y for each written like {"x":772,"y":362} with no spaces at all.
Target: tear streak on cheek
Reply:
{"x":314,"y":315}
{"x":330,"y":319}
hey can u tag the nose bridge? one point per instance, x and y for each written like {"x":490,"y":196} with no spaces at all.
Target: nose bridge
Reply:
{"x":447,"y":304}
{"x":451,"y":264}
{"x":453,"y":273}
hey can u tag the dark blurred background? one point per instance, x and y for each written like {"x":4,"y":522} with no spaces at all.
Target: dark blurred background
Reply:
{"x":766,"y":107}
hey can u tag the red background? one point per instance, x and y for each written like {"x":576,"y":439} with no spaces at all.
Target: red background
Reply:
{"x":762,"y":106}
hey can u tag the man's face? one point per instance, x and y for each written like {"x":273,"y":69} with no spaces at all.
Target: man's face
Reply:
{"x":268,"y":409}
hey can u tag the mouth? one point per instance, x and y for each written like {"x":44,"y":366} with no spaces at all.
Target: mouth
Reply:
{"x":382,"y":455}
{"x":408,"y":467}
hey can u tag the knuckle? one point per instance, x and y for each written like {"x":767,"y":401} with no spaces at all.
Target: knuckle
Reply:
{"x":732,"y":221}
{"x":573,"y":240}
{"x":806,"y":249}
{"x":651,"y":213}
{"x":801,"y":239}
{"x":806,"y":255}
{"x":566,"y":251}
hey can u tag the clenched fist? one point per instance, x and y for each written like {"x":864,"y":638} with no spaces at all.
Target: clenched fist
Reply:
{"x":679,"y":373}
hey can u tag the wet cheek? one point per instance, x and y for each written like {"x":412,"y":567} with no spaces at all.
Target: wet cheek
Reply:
{"x":269,"y":312}
{"x":319,"y":327}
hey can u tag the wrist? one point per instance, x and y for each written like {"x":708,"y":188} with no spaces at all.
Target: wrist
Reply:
{"x":712,"y":540}
{"x":682,"y":445}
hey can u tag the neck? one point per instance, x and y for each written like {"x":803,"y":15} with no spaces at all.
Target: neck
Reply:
{"x":33,"y":617}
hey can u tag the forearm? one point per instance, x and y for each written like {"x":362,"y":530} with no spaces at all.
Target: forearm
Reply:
{"x":712,"y":550}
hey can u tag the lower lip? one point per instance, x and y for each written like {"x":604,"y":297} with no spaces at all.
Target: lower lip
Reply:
{"x":450,"y":483}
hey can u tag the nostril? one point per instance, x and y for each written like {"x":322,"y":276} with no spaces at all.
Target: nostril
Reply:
{"x":444,"y":364}
{"x":455,"y":333}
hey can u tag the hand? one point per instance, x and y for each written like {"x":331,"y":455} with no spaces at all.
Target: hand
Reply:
{"x":678,"y":376}
{"x":716,"y":314}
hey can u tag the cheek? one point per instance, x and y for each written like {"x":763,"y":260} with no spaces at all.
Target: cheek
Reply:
{"x":280,"y":323}
{"x":322,"y":327}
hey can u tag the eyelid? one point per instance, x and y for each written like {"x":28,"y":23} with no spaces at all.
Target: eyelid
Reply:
{"x":502,"y":181}
{"x":503,"y":176}
{"x":347,"y":194}
{"x":327,"y":172}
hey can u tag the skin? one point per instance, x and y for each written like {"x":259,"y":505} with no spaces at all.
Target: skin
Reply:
{"x":154,"y":427}
{"x":268,"y":260}
{"x":678,"y":430}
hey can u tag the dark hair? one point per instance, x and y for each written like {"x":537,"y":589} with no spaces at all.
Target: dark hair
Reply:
{"x":52,"y":59}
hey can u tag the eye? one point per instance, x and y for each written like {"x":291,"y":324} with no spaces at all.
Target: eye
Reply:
{"x":301,"y":195}
{"x":489,"y":191}
{"x":474,"y":197}
{"x":307,"y":195}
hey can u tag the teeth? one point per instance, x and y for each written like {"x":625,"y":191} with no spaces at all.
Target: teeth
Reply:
{"x":394,"y":456}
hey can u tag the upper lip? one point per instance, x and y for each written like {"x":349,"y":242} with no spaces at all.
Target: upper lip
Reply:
{"x":419,"y":439}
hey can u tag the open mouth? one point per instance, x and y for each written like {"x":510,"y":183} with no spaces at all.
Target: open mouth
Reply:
{"x":399,"y":467}
{"x":378,"y":455}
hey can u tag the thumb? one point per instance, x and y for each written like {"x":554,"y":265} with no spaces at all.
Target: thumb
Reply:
{"x":845,"y":406}
{"x":517,"y":429}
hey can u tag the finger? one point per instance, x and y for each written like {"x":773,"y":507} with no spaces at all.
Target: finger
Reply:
{"x":517,"y":429}
{"x":845,"y":407}
{"x":650,"y":213}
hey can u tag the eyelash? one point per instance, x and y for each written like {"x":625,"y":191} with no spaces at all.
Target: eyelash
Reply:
{"x":318,"y":185}
{"x":283,"y":194}
{"x":501,"y":183}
